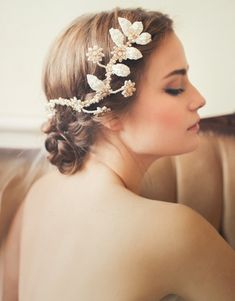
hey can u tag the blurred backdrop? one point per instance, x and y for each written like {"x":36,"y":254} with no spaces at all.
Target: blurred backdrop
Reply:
{"x":28,"y":27}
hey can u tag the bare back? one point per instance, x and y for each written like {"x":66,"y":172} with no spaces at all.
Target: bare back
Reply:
{"x":81,"y":240}
{"x":89,"y":240}
{"x":88,"y":243}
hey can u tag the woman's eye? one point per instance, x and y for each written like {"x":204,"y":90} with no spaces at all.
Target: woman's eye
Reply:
{"x":174,"y":92}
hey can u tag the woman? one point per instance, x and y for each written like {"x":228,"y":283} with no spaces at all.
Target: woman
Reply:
{"x":86,"y":231}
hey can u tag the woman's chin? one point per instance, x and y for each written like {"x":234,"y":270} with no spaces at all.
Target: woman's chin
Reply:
{"x":189,"y":148}
{"x":193,"y":146}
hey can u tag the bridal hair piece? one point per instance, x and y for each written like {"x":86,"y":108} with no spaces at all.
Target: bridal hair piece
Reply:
{"x":132,"y":33}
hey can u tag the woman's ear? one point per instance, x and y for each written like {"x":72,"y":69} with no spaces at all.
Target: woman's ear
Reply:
{"x":112,"y":123}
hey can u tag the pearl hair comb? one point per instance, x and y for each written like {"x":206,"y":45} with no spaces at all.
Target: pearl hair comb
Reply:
{"x":121,"y":51}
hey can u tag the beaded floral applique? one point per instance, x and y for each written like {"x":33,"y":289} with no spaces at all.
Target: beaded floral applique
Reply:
{"x":123,"y":50}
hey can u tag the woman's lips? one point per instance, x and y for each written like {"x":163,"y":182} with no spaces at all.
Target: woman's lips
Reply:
{"x":194,"y":127}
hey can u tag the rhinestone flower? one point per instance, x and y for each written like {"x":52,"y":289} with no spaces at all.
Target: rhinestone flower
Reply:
{"x":128,"y":88}
{"x":119,"y":53}
{"x":134,"y":31}
{"x":95,"y":54}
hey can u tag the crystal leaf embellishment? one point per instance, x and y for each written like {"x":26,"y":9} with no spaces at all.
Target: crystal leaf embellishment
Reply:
{"x":121,"y":70}
{"x":95,"y":83}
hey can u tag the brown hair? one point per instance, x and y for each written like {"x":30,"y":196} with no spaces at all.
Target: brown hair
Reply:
{"x":71,"y":133}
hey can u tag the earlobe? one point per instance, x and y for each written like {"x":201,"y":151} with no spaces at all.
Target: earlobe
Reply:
{"x":113,"y":124}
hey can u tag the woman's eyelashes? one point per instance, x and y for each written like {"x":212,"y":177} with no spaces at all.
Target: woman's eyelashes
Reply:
{"x":174,"y":92}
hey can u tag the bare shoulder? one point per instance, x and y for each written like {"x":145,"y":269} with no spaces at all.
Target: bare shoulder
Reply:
{"x":45,"y":180}
{"x":158,"y":227}
{"x":199,"y":264}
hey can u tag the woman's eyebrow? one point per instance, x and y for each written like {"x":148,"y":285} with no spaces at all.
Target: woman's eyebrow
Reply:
{"x":182,"y":71}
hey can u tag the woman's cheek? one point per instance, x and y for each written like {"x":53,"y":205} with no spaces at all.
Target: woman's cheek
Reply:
{"x":168,"y":119}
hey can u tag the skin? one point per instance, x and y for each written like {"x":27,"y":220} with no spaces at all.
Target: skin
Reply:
{"x":158,"y":121}
{"x":156,"y":126}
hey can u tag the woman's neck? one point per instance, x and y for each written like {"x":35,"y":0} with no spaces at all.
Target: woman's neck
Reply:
{"x":124,"y":165}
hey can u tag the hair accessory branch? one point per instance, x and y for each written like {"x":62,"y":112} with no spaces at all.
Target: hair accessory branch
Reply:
{"x":123,"y":49}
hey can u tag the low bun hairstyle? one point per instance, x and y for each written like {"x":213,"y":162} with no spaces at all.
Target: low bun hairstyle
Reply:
{"x":68,"y":141}
{"x":69,"y":133}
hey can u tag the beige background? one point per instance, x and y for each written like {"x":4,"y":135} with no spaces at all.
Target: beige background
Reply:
{"x":28,"y":27}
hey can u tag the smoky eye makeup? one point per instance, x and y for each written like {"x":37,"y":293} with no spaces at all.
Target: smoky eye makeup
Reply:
{"x":175,"y":88}
{"x":173,"y":91}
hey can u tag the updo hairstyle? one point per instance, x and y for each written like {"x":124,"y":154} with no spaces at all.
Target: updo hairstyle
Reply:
{"x":69,"y":133}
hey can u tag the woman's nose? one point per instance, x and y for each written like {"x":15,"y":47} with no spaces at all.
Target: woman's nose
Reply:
{"x":197,"y":100}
